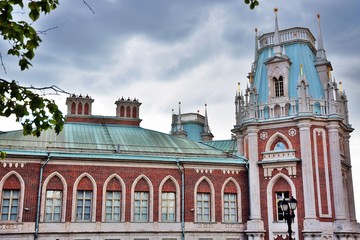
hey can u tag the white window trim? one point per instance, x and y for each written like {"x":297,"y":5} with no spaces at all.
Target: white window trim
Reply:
{"x":274,"y":226}
{"x":212,"y":198}
{"x":238,"y":199}
{"x":22,"y":191}
{"x":275,"y":137}
{"x":177,"y":197}
{"x":123,"y":197}
{"x":43,"y":196}
{"x":151,"y":197}
{"x":74,"y":197}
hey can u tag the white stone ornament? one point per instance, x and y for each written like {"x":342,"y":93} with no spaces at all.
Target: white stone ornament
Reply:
{"x":292,"y":132}
{"x":263,"y":135}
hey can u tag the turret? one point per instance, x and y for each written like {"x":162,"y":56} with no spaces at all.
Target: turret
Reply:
{"x":192,"y":126}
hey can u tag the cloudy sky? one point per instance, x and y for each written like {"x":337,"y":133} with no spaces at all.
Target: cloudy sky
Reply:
{"x":193,"y":51}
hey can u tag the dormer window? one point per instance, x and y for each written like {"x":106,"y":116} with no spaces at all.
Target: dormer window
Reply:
{"x":279,"y":86}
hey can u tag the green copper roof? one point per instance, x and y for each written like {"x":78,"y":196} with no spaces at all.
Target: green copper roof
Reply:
{"x":228,"y":146}
{"x":99,"y":140}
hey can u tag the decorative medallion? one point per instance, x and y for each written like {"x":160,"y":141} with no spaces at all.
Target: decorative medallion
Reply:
{"x":263,"y":135}
{"x":292,"y":132}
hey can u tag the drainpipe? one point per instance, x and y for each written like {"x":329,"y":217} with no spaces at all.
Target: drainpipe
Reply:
{"x":39,"y":197}
{"x":182,"y":201}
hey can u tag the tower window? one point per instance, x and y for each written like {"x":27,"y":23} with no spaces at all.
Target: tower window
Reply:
{"x":279,"y":197}
{"x":279,"y":86}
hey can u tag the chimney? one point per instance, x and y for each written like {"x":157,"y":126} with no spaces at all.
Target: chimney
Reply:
{"x":79,"y":105}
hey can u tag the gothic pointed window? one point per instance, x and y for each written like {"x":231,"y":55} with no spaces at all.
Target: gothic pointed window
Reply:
{"x":80,"y":108}
{"x":134,"y":112}
{"x":86,"y":109}
{"x":122,"y":111}
{"x":279,"y":86}
{"x":12,"y":188}
{"x":73,"y":108}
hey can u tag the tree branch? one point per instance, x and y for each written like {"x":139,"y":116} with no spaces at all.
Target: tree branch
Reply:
{"x":84,"y":1}
{"x":44,"y":32}
{"x":2,"y":63}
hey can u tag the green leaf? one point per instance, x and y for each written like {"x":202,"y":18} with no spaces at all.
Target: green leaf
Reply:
{"x":24,"y":64}
{"x":30,"y":54}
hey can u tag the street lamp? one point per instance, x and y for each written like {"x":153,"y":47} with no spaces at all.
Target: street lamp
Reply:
{"x":288,"y":207}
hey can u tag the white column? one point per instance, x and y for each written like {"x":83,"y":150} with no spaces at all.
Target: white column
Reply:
{"x":350,"y":185}
{"x":336,"y":171}
{"x":240,"y":143}
{"x":307,"y":169}
{"x":254,"y":181}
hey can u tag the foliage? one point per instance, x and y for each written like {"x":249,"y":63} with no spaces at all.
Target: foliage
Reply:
{"x":252,"y":3}
{"x":34,"y":112}
{"x":22,"y":37}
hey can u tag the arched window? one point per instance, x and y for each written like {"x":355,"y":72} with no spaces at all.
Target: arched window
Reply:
{"x":128,"y":111}
{"x":134,"y":112}
{"x":204,"y":201}
{"x":122,"y":111}
{"x":277,"y":110}
{"x":114,"y":193}
{"x":12,"y":188}
{"x":80,"y":108}
{"x":84,"y":195}
{"x":266,"y":112}
{"x":288,"y":110}
{"x":86,"y":109}
{"x":73,"y":108}
{"x":142,"y":200}
{"x":231,"y":201}
{"x":169,"y":201}
{"x":53,"y":199}
{"x":281,"y":191}
{"x":279,"y":86}
{"x":317,"y":108}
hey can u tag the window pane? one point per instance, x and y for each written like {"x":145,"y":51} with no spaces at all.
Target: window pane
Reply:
{"x":168,"y":206}
{"x":203,"y":207}
{"x":230,"y":207}
{"x":84,"y":203}
{"x":279,"y":197}
{"x":10,"y":202}
{"x":13,"y":217}
{"x":113,"y":205}
{"x":53,"y":205}
{"x":141,"y":206}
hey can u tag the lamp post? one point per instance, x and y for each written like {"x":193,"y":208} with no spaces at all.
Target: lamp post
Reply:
{"x":288,"y":207}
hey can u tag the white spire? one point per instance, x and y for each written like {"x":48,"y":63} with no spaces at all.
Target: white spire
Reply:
{"x":277,"y":47}
{"x":256,"y":56}
{"x":206,"y":123}
{"x":179,"y":124}
{"x":320,"y":54}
